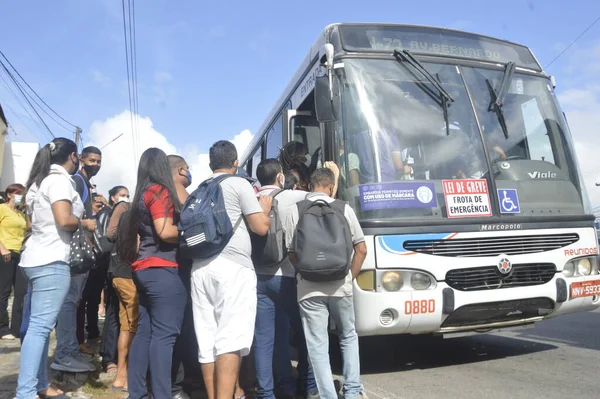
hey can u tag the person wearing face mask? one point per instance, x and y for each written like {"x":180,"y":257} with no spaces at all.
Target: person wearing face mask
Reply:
{"x":276,"y":294}
{"x":123,"y":300}
{"x":184,"y":358}
{"x":56,"y":209}
{"x":13,"y":226}
{"x":91,"y":298}
{"x":69,"y":355}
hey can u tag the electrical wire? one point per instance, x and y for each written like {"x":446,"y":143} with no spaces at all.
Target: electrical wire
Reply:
{"x":18,"y":100}
{"x":26,"y":98}
{"x":38,"y":96}
{"x":128,"y":50}
{"x":572,"y":43}
{"x":133,"y":55}
{"x":16,"y":115}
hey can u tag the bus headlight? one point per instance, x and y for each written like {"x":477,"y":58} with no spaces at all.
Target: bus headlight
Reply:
{"x":366,"y":280}
{"x":584,"y":267}
{"x":420,"y":281}
{"x":569,"y":269}
{"x":392,"y":281}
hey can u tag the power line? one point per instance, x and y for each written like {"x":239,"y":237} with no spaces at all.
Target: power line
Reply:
{"x":16,"y":115}
{"x":105,"y":145}
{"x":128,"y":49}
{"x":573,"y":42}
{"x":31,"y":117}
{"x":134,"y":68}
{"x":35,"y":93}
{"x":49,"y":115}
{"x":26,"y":98}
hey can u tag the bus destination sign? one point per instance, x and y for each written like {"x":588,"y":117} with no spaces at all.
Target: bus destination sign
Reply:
{"x":434,"y":41}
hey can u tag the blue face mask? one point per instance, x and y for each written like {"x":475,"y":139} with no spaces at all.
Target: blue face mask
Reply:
{"x":189,"y":176}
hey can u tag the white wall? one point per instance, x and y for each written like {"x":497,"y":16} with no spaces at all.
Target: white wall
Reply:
{"x":18,"y":158}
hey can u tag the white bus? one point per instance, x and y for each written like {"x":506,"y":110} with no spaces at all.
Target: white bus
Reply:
{"x":458,"y":161}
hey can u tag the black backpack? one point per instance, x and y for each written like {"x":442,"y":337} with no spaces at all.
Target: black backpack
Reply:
{"x":102,"y":245}
{"x":269,"y":251}
{"x":323,"y":241}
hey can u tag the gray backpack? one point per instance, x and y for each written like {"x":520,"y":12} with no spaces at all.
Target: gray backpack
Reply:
{"x":323,"y":241}
{"x":269,"y":251}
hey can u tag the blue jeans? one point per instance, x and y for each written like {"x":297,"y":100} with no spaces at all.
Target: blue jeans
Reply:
{"x":26,"y":313}
{"x":66,"y":329}
{"x":162,"y":303}
{"x":49,"y":286}
{"x":276,"y":309}
{"x":315,"y":314}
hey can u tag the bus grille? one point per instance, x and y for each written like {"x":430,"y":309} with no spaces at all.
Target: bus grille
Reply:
{"x":489,"y":278}
{"x":498,"y":312}
{"x":492,"y":246}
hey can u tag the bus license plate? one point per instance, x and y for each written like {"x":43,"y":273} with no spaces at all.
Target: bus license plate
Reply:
{"x":585,"y":288}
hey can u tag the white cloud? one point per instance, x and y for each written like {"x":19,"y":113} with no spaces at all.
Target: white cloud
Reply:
{"x":581,"y":101}
{"x":199,"y":161}
{"x":581,"y":107}
{"x":118,"y":166}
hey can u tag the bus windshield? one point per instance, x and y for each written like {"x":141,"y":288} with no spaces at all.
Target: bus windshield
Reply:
{"x":402,"y":143}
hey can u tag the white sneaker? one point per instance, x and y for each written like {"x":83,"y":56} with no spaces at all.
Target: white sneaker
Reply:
{"x":8,"y":337}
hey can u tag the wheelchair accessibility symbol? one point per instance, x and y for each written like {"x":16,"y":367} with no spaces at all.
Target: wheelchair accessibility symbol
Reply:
{"x":509,"y":200}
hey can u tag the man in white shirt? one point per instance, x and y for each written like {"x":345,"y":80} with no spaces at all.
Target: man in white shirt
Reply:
{"x":320,"y":300}
{"x":277,"y":306}
{"x":223,"y":288}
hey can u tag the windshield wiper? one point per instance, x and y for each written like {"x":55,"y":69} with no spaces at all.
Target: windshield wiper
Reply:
{"x":498,"y":96}
{"x":445,"y":97}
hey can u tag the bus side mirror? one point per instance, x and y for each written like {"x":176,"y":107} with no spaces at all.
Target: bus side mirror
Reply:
{"x":326,"y":90}
{"x":327,"y":110}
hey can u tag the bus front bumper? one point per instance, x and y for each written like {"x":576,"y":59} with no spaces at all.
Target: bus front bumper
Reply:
{"x":445,"y":310}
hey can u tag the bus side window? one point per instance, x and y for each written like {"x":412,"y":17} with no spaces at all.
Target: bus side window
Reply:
{"x":275,"y":138}
{"x":256,"y":159}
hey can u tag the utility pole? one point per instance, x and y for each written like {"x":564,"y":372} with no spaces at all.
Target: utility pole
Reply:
{"x":77,"y":135}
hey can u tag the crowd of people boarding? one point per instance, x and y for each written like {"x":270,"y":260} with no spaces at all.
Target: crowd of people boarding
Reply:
{"x":232,"y":277}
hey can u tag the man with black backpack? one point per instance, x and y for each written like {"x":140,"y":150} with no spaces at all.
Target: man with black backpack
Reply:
{"x":215,"y":222}
{"x":321,"y":235}
{"x":276,"y":291}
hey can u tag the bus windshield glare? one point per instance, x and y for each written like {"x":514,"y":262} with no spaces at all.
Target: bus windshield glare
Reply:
{"x":397,"y":130}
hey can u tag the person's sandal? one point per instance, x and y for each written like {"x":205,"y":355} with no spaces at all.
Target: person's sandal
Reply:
{"x":59,"y":396}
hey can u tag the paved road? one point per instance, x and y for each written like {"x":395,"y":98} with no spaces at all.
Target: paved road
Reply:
{"x":557,"y":359}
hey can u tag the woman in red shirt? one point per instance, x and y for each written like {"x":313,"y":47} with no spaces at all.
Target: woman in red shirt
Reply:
{"x":148,"y":240}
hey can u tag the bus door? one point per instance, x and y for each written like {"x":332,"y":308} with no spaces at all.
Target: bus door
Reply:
{"x":303,"y":127}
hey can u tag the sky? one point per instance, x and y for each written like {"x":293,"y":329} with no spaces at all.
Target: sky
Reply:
{"x":213,"y":70}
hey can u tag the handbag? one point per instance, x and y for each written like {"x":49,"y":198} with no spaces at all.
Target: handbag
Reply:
{"x":102,"y":245}
{"x":83,"y":258}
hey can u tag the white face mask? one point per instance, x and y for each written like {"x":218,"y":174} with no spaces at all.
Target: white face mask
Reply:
{"x":17,"y":199}
{"x":122,"y":199}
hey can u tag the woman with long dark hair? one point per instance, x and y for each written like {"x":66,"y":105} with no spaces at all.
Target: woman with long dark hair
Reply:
{"x":55,"y":209}
{"x":153,"y":218}
{"x":294,"y":158}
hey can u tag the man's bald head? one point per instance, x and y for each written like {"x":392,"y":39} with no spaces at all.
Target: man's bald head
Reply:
{"x":175,"y":161}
